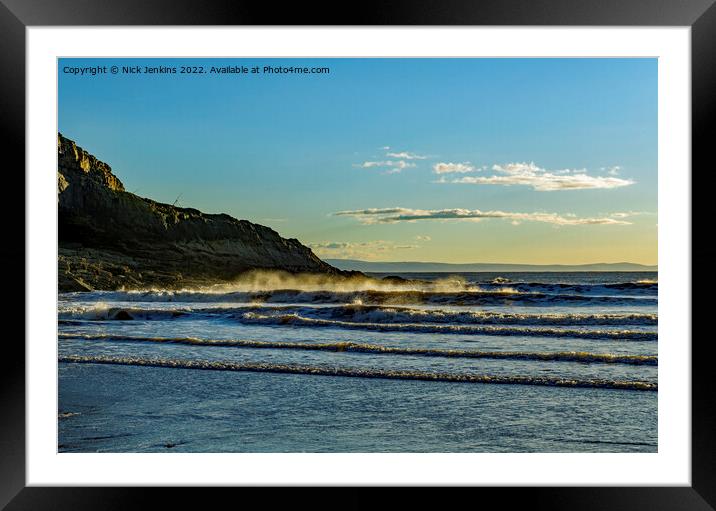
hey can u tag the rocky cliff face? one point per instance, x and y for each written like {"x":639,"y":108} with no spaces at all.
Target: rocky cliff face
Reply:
{"x":110,"y":238}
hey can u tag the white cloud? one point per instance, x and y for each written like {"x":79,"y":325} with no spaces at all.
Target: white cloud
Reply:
{"x":529,"y":174}
{"x":423,"y":238}
{"x":369,"y":164}
{"x":329,"y":245}
{"x":612,"y":171}
{"x":626,"y":214}
{"x":450,"y":168}
{"x":361,"y":250}
{"x":406,"y":156}
{"x":393,"y":166}
{"x":394,"y":215}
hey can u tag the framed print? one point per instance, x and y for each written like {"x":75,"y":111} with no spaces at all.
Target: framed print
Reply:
{"x":445,"y":246}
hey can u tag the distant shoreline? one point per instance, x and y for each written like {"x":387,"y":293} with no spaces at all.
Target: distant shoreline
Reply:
{"x":422,"y":267}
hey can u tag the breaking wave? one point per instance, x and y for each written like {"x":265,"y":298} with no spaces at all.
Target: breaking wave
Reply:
{"x":281,"y":287}
{"x":363,"y":373}
{"x":262,"y":281}
{"x":472,"y":323}
{"x":352,"y":347}
{"x":637,"y":288}
{"x":474,"y":297}
{"x":363,"y":313}
{"x":297,"y":320}
{"x":378,"y":314}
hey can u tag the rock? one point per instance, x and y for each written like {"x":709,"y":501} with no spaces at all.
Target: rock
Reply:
{"x":123,"y":316}
{"x":394,"y":279}
{"x":400,"y":281}
{"x":71,"y":158}
{"x":69,"y":283}
{"x":111,"y":239}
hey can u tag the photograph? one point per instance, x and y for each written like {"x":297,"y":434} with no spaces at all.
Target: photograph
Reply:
{"x":357,"y":255}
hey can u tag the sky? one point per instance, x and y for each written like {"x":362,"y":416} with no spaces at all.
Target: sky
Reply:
{"x":533,"y":161}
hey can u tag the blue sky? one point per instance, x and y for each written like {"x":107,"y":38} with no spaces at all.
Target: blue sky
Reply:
{"x":454,"y":160}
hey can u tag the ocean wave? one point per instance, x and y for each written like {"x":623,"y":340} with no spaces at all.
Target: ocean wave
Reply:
{"x":479,"y":297}
{"x":361,"y":314}
{"x":636,"y":288}
{"x":282,"y":317}
{"x":352,"y":347}
{"x":276,"y":282}
{"x":297,"y":320}
{"x":379,"y":314}
{"x":363,"y":373}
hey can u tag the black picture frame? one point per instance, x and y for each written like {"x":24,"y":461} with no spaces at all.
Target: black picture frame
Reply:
{"x":17,"y":15}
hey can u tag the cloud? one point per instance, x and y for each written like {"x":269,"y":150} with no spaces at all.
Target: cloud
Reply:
{"x":393,"y":166}
{"x":370,"y":164}
{"x":332,"y":245}
{"x":423,"y":238}
{"x":529,"y":174}
{"x":449,"y":168}
{"x":612,"y":171}
{"x":394,"y":215}
{"x":361,"y":250}
{"x":406,"y":156}
{"x":626,"y":214}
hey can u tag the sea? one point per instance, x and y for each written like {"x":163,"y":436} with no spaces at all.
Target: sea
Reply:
{"x":420,"y":362}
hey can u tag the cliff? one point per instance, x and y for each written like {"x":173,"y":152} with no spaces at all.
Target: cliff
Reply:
{"x":110,"y":238}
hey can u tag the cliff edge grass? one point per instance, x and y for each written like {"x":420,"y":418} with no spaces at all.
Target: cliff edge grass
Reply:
{"x":113,"y":239}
